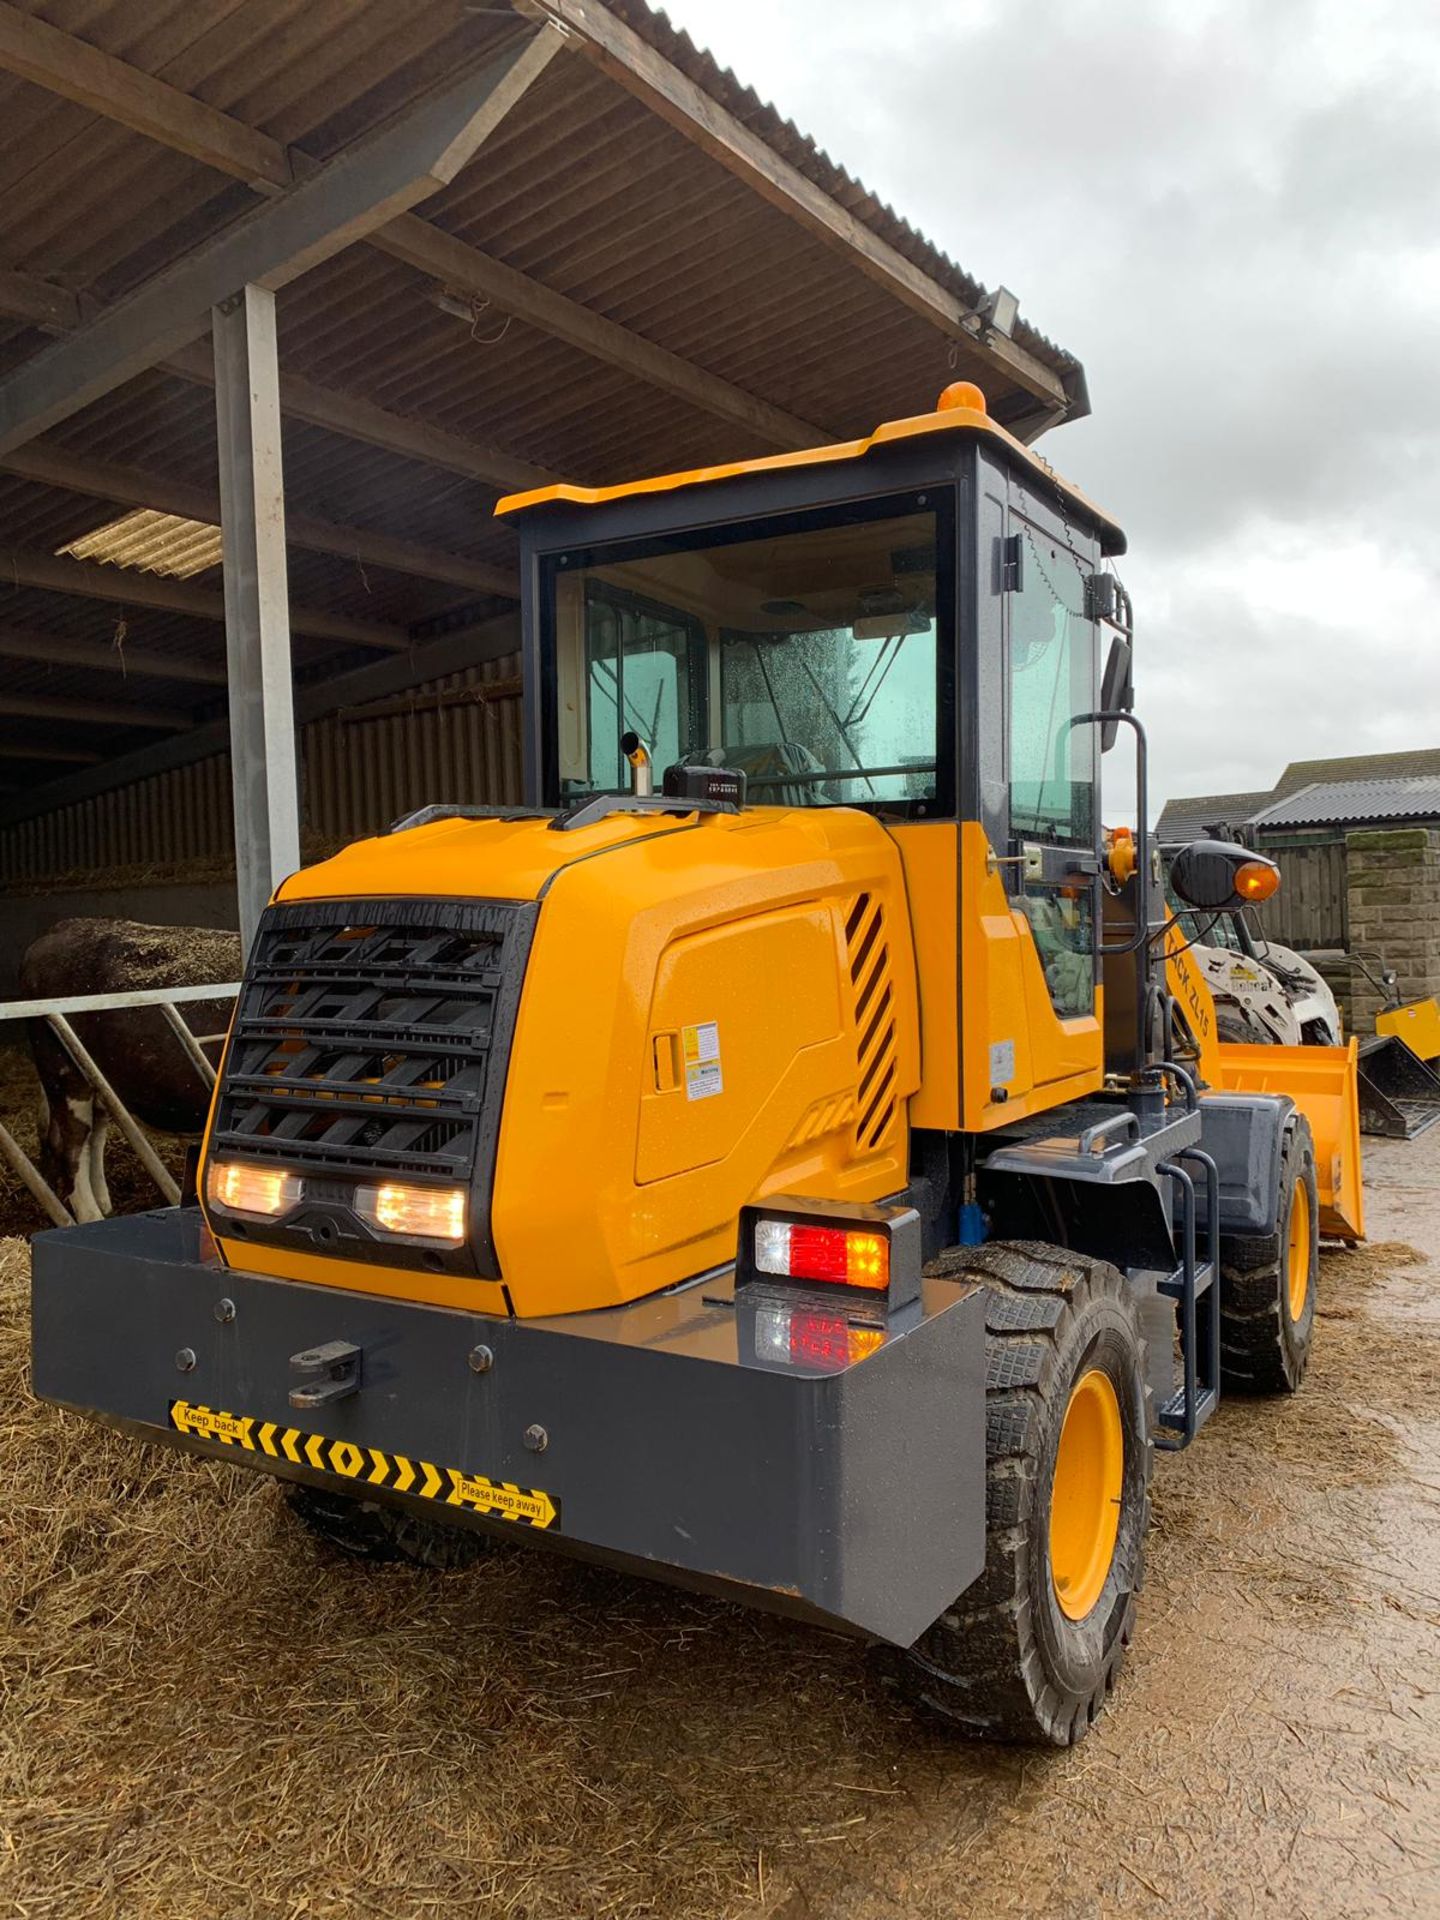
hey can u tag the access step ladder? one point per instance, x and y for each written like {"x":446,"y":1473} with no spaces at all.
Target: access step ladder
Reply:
{"x":1193,"y":1286}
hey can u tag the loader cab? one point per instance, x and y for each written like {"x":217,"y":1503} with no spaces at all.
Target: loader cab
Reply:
{"x":908,"y":626}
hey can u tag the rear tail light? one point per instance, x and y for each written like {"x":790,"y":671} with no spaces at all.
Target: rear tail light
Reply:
{"x":240,"y":1187}
{"x":848,"y":1256}
{"x":871,"y":1251}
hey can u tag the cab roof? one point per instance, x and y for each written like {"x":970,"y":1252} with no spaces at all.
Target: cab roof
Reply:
{"x":961,"y":408}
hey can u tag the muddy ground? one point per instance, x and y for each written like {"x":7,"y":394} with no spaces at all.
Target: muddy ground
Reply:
{"x":206,"y":1713}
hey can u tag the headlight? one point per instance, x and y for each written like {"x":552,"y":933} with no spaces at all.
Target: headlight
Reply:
{"x":420,"y":1213}
{"x":241,"y":1187}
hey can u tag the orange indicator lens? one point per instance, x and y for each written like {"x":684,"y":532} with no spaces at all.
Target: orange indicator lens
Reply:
{"x":1256,"y":880}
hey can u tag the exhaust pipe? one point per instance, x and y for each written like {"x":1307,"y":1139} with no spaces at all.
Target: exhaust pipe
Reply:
{"x":642,"y":767}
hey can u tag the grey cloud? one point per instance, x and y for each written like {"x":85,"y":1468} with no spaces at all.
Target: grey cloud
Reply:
{"x":1230,"y":212}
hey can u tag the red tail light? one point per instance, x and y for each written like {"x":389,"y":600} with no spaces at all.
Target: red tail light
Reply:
{"x":845,"y":1256}
{"x":867,"y":1247}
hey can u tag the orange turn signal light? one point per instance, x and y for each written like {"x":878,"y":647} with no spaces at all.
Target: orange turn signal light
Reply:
{"x":1256,"y":880}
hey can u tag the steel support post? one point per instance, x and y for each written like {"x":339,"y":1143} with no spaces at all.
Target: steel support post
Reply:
{"x":257,"y":607}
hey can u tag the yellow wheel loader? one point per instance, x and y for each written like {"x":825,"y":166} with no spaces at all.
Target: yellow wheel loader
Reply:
{"x":784,"y":1155}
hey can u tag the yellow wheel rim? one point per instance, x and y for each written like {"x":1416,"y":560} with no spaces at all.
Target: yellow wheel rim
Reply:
{"x":1085,"y":1499}
{"x":1298,"y":1268}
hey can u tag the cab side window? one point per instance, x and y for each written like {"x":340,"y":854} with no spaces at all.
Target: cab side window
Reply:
{"x":1051,"y":654}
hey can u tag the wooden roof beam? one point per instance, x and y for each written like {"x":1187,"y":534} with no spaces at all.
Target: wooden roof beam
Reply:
{"x":80,"y":72}
{"x":620,"y":52}
{"x":363,"y":187}
{"x":102,"y":656}
{"x":465,"y":269}
{"x":64,"y":64}
{"x":362,"y":420}
{"x":91,"y":713}
{"x":62,"y":756}
{"x":26,"y":296}
{"x":54,"y":466}
{"x":342,"y":413}
{"x":94,"y":580}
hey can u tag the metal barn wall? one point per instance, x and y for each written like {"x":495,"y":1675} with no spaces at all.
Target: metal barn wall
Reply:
{"x":1311,"y":908}
{"x":446,"y":740}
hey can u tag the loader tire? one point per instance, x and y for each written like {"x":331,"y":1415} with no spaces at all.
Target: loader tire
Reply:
{"x":1232,"y":1027}
{"x":367,"y":1531}
{"x":1030,"y":1651}
{"x":1268,"y":1282}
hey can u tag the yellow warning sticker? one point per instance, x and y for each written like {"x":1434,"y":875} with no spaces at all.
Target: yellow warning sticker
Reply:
{"x":497,"y":1499}
{"x":701,"y":1047}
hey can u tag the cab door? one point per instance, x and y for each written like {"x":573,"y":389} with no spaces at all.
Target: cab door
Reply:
{"x":1029,"y":888}
{"x":1051,"y":657}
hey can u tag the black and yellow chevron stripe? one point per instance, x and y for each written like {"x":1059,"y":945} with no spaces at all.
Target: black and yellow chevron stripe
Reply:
{"x":420,"y":1479}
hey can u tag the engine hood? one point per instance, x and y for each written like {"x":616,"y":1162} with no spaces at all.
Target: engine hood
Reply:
{"x":512,"y":857}
{"x":688,"y":1012}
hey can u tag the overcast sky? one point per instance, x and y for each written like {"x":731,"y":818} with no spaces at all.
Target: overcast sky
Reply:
{"x":1230,"y":211}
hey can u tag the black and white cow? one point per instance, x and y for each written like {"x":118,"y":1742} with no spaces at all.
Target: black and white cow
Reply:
{"x":135,"y":1048}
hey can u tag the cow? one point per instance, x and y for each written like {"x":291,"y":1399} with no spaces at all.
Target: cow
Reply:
{"x":135,"y":1048}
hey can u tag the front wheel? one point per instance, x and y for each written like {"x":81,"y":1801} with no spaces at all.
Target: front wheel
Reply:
{"x":1268,"y":1281}
{"x":1030,"y":1652}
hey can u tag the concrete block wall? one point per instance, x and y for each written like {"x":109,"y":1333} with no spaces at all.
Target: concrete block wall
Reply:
{"x":1393,"y":883}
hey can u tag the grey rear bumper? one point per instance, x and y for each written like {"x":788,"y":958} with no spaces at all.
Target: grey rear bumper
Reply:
{"x":675,"y":1441}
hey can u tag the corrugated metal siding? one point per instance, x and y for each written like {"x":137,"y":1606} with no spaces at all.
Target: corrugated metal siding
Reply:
{"x":359,"y":772}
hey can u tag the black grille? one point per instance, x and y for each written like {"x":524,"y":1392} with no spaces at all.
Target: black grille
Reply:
{"x":371,"y":1042}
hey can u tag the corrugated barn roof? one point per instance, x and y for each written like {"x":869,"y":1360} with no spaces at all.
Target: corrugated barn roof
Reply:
{"x":644,"y":268}
{"x":1354,"y":802}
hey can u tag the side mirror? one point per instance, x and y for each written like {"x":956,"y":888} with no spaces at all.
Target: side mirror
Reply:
{"x":1219,"y":876}
{"x":1117,"y":688}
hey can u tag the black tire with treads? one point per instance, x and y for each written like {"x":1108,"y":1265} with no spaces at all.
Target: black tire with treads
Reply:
{"x":1235,"y":1028}
{"x":368,"y":1531}
{"x":1264,"y":1347}
{"x":1005,"y":1663}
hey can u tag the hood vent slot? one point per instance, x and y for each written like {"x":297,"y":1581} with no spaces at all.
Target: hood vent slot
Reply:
{"x":874,"y":1008}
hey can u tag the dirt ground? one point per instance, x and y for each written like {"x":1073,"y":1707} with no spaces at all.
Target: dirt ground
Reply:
{"x":207,"y":1714}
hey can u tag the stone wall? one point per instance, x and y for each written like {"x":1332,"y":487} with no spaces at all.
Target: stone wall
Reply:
{"x":1393,"y":882}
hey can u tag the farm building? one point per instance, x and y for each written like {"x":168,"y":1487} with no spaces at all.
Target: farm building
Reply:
{"x":354,"y":273}
{"x":1357,"y":839}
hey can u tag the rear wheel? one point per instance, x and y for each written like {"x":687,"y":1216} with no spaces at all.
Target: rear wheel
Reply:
{"x":1030,"y":1651}
{"x":1268,"y":1281}
{"x":367,"y":1531}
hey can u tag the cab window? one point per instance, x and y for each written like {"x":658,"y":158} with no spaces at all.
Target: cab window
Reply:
{"x":1052,"y":654}
{"x":804,"y":654}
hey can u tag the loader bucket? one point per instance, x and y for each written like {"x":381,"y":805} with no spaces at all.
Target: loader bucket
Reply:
{"x":1417,"y":1024}
{"x":1399,"y":1092}
{"x":1324,"y":1084}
